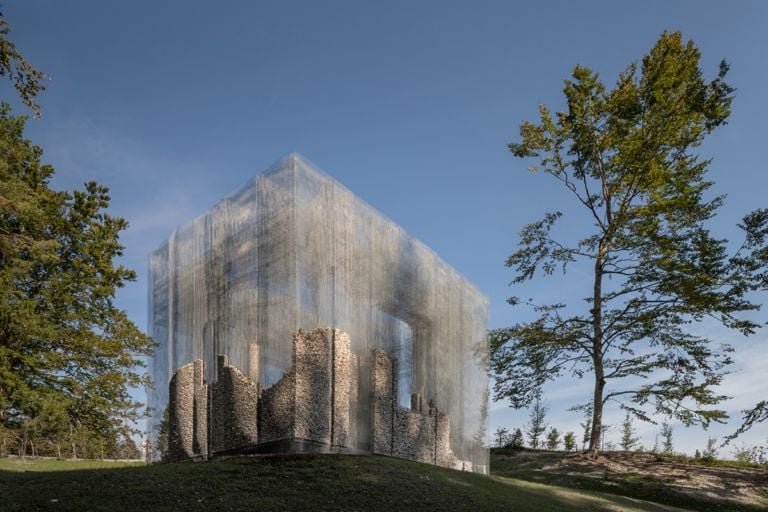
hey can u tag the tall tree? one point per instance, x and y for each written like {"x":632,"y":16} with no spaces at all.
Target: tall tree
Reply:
{"x":553,"y":439}
{"x":536,"y":423}
{"x":627,"y":158}
{"x":628,"y":438}
{"x":516,"y":440}
{"x":666,"y":437}
{"x":67,"y":353}
{"x":569,"y":441}
{"x":27,"y":80}
{"x":501,"y":436}
{"x":586,"y":425}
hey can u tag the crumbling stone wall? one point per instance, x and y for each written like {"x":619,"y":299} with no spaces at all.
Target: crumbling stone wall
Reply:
{"x":234,"y":409}
{"x":200,"y":425}
{"x":181,"y":413}
{"x":341,"y":383}
{"x":421,"y":434}
{"x":187,"y":412}
{"x":382,"y":409}
{"x":312,"y":366}
{"x":276,"y":410}
{"x":312,"y":402}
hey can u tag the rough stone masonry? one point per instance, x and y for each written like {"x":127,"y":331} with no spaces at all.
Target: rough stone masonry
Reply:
{"x":308,"y":409}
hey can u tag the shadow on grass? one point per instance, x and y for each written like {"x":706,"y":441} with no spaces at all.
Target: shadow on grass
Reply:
{"x":649,"y":486}
{"x":331,"y":482}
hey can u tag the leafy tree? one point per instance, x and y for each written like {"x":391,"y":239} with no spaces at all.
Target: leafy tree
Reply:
{"x":161,"y":436}
{"x":67,"y":353}
{"x":569,"y":441}
{"x":710,"y":452}
{"x":501,"y":436}
{"x":666,"y":438}
{"x":27,"y":80}
{"x":626,"y":156}
{"x":553,"y":439}
{"x":603,"y":430}
{"x":628,"y":438}
{"x":751,"y":418}
{"x":536,"y":425}
{"x":516,"y":440}
{"x":587,"y":428}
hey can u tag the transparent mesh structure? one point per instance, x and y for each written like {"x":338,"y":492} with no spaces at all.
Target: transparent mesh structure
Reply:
{"x":294,"y":249}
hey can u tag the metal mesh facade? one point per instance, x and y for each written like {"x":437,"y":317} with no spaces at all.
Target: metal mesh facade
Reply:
{"x":295,"y":249}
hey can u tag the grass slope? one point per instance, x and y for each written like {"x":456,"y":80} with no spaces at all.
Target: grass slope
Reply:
{"x":287,"y":483}
{"x":661,"y":479}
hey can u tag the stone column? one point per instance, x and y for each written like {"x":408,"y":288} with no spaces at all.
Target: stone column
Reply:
{"x":382,"y":389}
{"x":341,"y":384}
{"x":312,"y":367}
{"x":181,"y":410}
{"x":200,"y":427}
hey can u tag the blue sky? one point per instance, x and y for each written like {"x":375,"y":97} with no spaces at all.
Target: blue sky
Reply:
{"x":409,"y":104}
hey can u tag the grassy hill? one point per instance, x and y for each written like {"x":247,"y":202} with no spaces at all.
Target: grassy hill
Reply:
{"x":672,"y":480}
{"x":291,"y":483}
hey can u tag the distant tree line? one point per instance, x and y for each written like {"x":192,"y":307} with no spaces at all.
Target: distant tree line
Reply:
{"x":540,"y":436}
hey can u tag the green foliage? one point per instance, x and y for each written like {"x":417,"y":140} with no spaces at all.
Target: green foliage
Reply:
{"x":27,"y":80}
{"x":587,"y":428}
{"x":710,"y":452}
{"x":516,"y":440}
{"x":756,"y":415}
{"x":67,"y":353}
{"x":501,"y":437}
{"x":626,"y":156}
{"x":666,"y":438}
{"x":553,"y":439}
{"x":569,"y":441}
{"x":536,"y":423}
{"x":628,"y":438}
{"x":745,"y":454}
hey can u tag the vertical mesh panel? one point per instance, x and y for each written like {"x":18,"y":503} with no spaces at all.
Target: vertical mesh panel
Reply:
{"x":295,"y":249}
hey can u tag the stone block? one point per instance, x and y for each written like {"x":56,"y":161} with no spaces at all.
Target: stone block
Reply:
{"x":413,"y":436}
{"x":181,"y":411}
{"x":382,"y":387}
{"x":233,"y":409}
{"x":312,"y":369}
{"x":276,"y":410}
{"x":341,"y":389}
{"x":200,"y":427}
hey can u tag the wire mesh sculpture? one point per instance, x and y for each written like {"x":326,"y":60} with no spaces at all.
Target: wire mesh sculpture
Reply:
{"x":293,"y":249}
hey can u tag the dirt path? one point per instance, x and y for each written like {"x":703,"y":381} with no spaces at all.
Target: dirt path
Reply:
{"x":723,"y":488}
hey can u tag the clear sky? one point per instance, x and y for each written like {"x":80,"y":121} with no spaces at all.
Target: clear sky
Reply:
{"x":174,"y":104}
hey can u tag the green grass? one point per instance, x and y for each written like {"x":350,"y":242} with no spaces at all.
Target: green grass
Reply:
{"x":287,"y":483}
{"x":523,"y":465}
{"x":720,"y":463}
{"x":46,"y":465}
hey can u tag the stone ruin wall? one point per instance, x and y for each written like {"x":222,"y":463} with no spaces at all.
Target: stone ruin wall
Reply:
{"x":421,"y":434}
{"x":311,"y":403}
{"x":233,"y":413}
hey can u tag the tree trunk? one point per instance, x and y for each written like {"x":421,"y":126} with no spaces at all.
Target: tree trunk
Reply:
{"x":72,"y":442}
{"x":23,"y":448}
{"x":597,"y":353}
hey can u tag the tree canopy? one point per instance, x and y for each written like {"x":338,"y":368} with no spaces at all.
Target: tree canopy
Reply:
{"x":67,"y":354}
{"x":27,"y":80}
{"x":626,"y":156}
